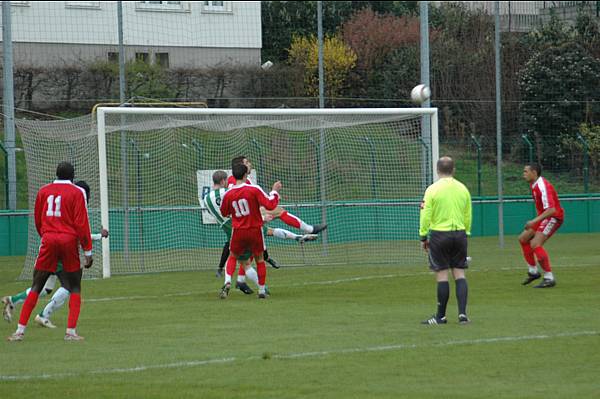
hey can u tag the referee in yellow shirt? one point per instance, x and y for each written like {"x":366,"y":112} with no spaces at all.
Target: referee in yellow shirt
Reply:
{"x":445,"y":223}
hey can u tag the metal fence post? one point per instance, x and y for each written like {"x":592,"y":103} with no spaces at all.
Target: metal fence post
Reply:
{"x":529,"y":146}
{"x":478,"y":147}
{"x":586,"y":162}
{"x":5,"y":173}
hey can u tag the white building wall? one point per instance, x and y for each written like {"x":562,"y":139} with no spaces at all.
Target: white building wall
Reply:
{"x":193,"y":26}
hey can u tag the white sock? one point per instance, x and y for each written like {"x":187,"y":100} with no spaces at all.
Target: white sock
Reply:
{"x":307,"y":228}
{"x":533,"y":269}
{"x":252,"y":275}
{"x":58,"y":299}
{"x":20,"y":328}
{"x":227,"y":278}
{"x":241,"y":279}
{"x":261,"y":289}
{"x":71,"y":331}
{"x":285,"y":234}
{"x":548,"y":276}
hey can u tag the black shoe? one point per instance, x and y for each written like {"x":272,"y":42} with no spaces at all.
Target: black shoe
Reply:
{"x":546,"y":283}
{"x":225,"y":291}
{"x":531,"y":277}
{"x":273,"y":263}
{"x":219,"y":273}
{"x":242,"y":286}
{"x":463,"y":319}
{"x":435,"y":320}
{"x":317,"y":228}
{"x":262,"y":296}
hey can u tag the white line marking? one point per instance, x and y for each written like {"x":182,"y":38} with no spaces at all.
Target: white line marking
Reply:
{"x":300,"y":355}
{"x":309,"y":283}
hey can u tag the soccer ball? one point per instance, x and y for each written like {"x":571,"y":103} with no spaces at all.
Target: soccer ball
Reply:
{"x":420,"y":94}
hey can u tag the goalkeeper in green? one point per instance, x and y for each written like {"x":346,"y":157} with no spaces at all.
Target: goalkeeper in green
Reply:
{"x":213,"y":204}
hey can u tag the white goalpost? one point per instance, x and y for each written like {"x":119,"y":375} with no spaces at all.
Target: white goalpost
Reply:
{"x":318,"y":118}
{"x":361,"y":171}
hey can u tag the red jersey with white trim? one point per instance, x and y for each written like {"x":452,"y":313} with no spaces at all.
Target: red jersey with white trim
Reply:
{"x":243,"y":204}
{"x":231,"y":181}
{"x":545,"y":196}
{"x":60,"y":207}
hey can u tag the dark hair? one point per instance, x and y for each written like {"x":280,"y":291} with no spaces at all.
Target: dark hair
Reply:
{"x":219,"y":176}
{"x":65,"y":171}
{"x":238,"y":160}
{"x":239,"y":170}
{"x":445,"y":165}
{"x":83,"y":184}
{"x":535,"y":166}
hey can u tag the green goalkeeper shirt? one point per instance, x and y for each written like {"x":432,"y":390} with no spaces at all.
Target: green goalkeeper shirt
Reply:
{"x":446,"y":206}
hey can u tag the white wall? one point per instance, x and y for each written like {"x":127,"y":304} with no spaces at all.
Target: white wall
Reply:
{"x":59,"y":22}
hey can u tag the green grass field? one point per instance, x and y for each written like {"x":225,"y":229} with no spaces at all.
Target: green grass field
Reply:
{"x":326,"y":332}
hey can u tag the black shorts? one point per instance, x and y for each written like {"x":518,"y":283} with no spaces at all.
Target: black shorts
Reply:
{"x":447,"y":250}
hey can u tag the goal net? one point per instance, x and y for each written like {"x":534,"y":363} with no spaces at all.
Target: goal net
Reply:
{"x":361,"y":171}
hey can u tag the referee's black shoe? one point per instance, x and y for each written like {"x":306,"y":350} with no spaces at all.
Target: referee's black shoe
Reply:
{"x":245,"y":288}
{"x":531,"y":277}
{"x":546,"y":283}
{"x":435,"y":320}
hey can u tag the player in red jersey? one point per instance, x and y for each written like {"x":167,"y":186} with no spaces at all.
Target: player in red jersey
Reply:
{"x":278,"y":212}
{"x":550,"y":216}
{"x":242,"y":203}
{"x":61,"y":220}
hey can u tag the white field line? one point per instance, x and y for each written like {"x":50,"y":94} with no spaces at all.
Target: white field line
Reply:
{"x":299,"y":355}
{"x":311,"y":283}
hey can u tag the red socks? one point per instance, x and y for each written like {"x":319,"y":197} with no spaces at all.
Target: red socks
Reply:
{"x":290,"y":220}
{"x":542,"y":257}
{"x":74,"y":308}
{"x":28,"y":307}
{"x":261,"y":270}
{"x":230,"y":265}
{"x":528,"y":253}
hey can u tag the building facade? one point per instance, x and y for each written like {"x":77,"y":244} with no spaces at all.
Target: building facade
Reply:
{"x":175,"y":34}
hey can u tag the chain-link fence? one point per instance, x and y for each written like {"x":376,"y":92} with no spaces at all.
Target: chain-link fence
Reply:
{"x":264,"y":54}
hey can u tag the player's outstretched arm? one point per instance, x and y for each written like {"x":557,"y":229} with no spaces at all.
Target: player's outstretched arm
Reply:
{"x":270,"y":201}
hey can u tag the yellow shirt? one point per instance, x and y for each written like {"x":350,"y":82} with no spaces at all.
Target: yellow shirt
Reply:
{"x":446,"y":206}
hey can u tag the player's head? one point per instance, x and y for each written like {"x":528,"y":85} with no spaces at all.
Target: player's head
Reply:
{"x":83,"y":184}
{"x":445,"y":166}
{"x":532,"y":171}
{"x":220,"y":178}
{"x":243,"y":160}
{"x":239,"y":171}
{"x":65,"y":171}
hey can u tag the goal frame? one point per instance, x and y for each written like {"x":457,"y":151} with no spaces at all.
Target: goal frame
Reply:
{"x":101,"y":113}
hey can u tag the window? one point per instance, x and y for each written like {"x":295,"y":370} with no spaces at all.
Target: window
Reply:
{"x":113,"y":57}
{"x":141,"y":57}
{"x":176,"y":6}
{"x":216,"y":6}
{"x":162,"y":59}
{"x":82,"y":4}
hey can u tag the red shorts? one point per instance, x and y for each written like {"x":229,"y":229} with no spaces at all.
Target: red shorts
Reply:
{"x":548,"y":226}
{"x":58,"y":247}
{"x":244,"y":240}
